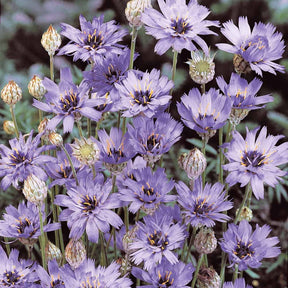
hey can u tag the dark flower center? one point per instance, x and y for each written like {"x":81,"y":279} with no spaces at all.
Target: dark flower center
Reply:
{"x":243,"y":250}
{"x":116,"y":154}
{"x":253,"y":158}
{"x":153,"y":141}
{"x":65,"y":170}
{"x":17,"y":157}
{"x":113,"y":75}
{"x":240,"y":96}
{"x":69,"y":101}
{"x":142,"y":97}
{"x":158,"y":239}
{"x":94,"y":40}
{"x":180,"y":26}
{"x":201,"y":207}
{"x":165,"y":280}
{"x":23,"y":223}
{"x":256,"y":46}
{"x":89,"y":204}
{"x":57,"y":284}
{"x":10,"y":278}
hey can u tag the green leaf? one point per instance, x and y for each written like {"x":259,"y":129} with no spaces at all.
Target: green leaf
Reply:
{"x":198,"y":143}
{"x":252,"y":274}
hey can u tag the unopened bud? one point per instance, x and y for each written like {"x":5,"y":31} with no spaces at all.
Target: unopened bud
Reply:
{"x":208,"y":278}
{"x":245,"y":214}
{"x":36,"y":88}
{"x":9,"y":127}
{"x":75,"y":253}
{"x":194,"y":163}
{"x":205,"y":241}
{"x":128,"y":238}
{"x":35,"y":190}
{"x":53,"y":252}
{"x":86,"y":151}
{"x":237,"y":115}
{"x":201,"y":67}
{"x":134,"y":10}
{"x":55,"y":139}
{"x":51,"y":40}
{"x":240,"y":65}
{"x":11,"y":93}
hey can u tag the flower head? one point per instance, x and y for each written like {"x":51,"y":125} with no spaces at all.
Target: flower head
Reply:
{"x":165,"y":274}
{"x":36,"y":87}
{"x":257,"y":48}
{"x":202,"y":207}
{"x":11,"y":93}
{"x":247,"y":248}
{"x":255,"y":161}
{"x":134,"y":10}
{"x":89,"y":207}
{"x":156,"y":239}
{"x":24,"y":223}
{"x":238,"y":283}
{"x":67,"y":101}
{"x":145,"y":93}
{"x":153,"y":138}
{"x":146,"y":190}
{"x":51,"y":41}
{"x":179,"y":26}
{"x":93,"y":41}
{"x":23,"y":159}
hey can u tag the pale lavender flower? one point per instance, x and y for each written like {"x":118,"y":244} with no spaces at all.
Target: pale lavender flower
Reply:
{"x":246,"y":248}
{"x":94,"y":40}
{"x":259,"y":47}
{"x":238,"y":283}
{"x":255,"y":160}
{"x":179,"y":25}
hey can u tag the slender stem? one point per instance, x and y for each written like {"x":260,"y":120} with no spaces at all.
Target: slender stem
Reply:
{"x":88,"y":127}
{"x":223,"y":266}
{"x":247,"y":192}
{"x":40,"y":115}
{"x":235,"y":273}
{"x":249,"y":198}
{"x":221,"y":159}
{"x":71,"y":164}
{"x":118,"y":119}
{"x":42,"y":240}
{"x":51,"y":68}
{"x":190,"y":244}
{"x":103,"y":259}
{"x":195,"y":276}
{"x":206,"y":260}
{"x":97,"y":128}
{"x":7,"y":245}
{"x":203,"y":89}
{"x":126,"y":218}
{"x":55,"y":216}
{"x":132,"y":46}
{"x":174,"y":64}
{"x":14,"y":120}
{"x":204,"y":143}
{"x":124,"y":126}
{"x":79,"y":129}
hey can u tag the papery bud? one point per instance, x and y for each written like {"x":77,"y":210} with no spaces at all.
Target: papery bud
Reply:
{"x":11,"y":93}
{"x":51,"y":40}
{"x":205,"y":241}
{"x":86,"y":151}
{"x":36,"y":88}
{"x":35,"y":190}
{"x":208,"y":278}
{"x":128,"y":238}
{"x":194,"y":163}
{"x":53,"y":252}
{"x":115,"y":169}
{"x":245,"y":214}
{"x":9,"y":127}
{"x":134,"y":10}
{"x":75,"y":253}
{"x":125,"y":265}
{"x":237,"y":115}
{"x":201,"y":67}
{"x":240,"y":65}
{"x":55,"y":139}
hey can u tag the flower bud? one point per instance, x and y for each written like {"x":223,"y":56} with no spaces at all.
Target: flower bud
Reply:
{"x":86,"y":151}
{"x":240,"y":65}
{"x":53,"y":252}
{"x":35,"y":190}
{"x":51,"y":40}
{"x":55,"y":139}
{"x":36,"y":88}
{"x":125,"y":265}
{"x":11,"y":93}
{"x":205,"y":241}
{"x":201,"y":67}
{"x":128,"y":238}
{"x":194,"y":163}
{"x":134,"y":10}
{"x":208,"y":278}
{"x":237,"y":115}
{"x":245,"y":214}
{"x":115,"y":169}
{"x":9,"y":127}
{"x":75,"y":253}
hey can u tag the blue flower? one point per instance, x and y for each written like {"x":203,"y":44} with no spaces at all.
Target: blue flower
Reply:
{"x":239,"y":283}
{"x":259,"y":47}
{"x":93,"y":41}
{"x":179,"y":26}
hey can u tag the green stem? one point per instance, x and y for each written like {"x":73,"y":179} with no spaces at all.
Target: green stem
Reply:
{"x":195,"y":276}
{"x":103,"y":259}
{"x":221,"y":159}
{"x":247,"y":192}
{"x":203,"y":89}
{"x":42,"y":240}
{"x":249,"y":198}
{"x":7,"y":245}
{"x":40,"y":115}
{"x":223,"y":266}
{"x":79,"y":129}
{"x":174,"y":64}
{"x":71,"y":164}
{"x":14,"y":120}
{"x":190,"y":244}
{"x":132,"y":46}
{"x":97,"y":128}
{"x":55,"y":216}
{"x":51,"y":68}
{"x":126,"y":218}
{"x":88,"y":127}
{"x":235,"y":273}
{"x":203,"y":150}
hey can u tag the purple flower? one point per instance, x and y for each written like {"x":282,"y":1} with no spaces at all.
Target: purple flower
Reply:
{"x":239,"y":283}
{"x":23,"y":159}
{"x":255,"y":161}
{"x":153,"y":138}
{"x":87,"y":275}
{"x":16,"y":273}
{"x":89,"y":207}
{"x":247,"y":249}
{"x":145,"y":93}
{"x":68,"y":102}
{"x":259,"y":47}
{"x":178,"y":26}
{"x":147,"y":190}
{"x":202,"y":207}
{"x":166,"y":275}
{"x":93,"y":41}
{"x":242,"y":94}
{"x":24,"y":223}
{"x":156,"y":239}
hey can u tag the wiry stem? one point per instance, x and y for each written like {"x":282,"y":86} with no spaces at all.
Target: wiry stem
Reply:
{"x":42,"y":239}
{"x":71,"y":164}
{"x":14,"y":121}
{"x":51,"y":67}
{"x":195,"y":276}
{"x":174,"y":64}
